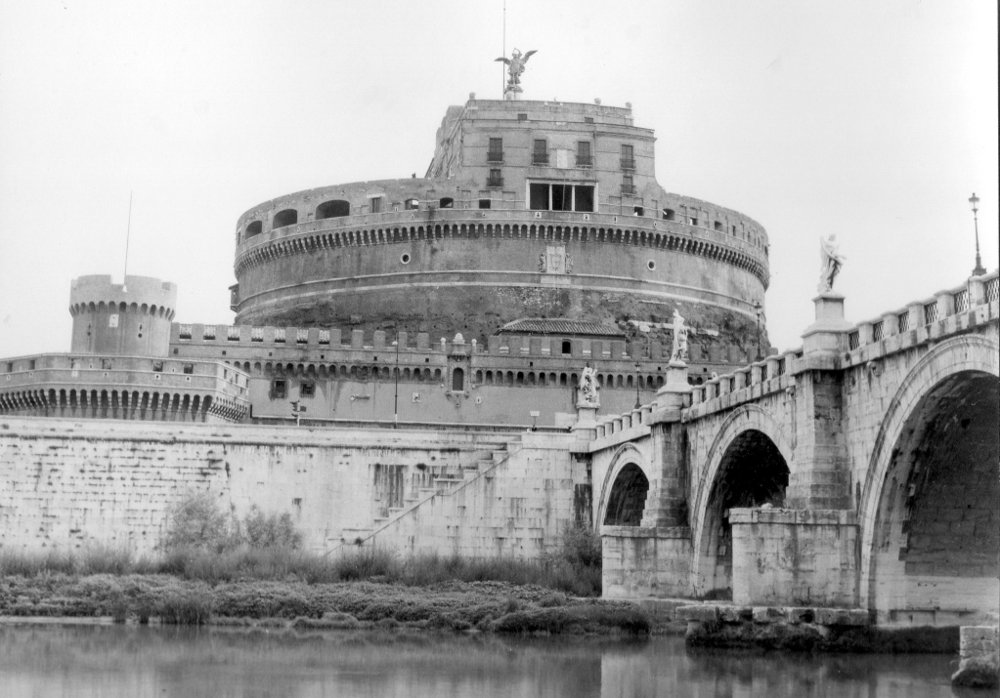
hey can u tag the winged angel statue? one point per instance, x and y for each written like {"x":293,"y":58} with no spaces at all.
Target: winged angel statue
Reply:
{"x":515,"y":66}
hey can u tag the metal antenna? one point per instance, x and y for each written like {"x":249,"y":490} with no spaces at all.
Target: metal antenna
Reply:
{"x":503,"y":49}
{"x":128,"y":233}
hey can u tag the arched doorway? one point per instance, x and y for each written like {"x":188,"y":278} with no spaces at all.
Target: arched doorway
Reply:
{"x":752,"y":473}
{"x":627,"y":500}
{"x":936,"y":535}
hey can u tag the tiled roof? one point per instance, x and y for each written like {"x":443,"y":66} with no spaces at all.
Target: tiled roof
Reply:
{"x":548,"y":326}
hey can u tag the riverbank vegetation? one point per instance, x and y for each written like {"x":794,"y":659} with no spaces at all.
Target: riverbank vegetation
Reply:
{"x":217,"y":569}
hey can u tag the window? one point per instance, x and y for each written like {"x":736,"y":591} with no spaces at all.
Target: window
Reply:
{"x":485,"y":203}
{"x":289,"y":216}
{"x":692,"y":220}
{"x":588,"y":119}
{"x":628,"y":157}
{"x":458,"y":379}
{"x":188,"y":369}
{"x":718,"y":225}
{"x":522,"y":116}
{"x":540,"y":152}
{"x":411,"y":204}
{"x":279,"y":389}
{"x":158,"y":366}
{"x":543,"y":196}
{"x":31,"y":365}
{"x":638,"y":211}
{"x":495,"y":179}
{"x":10,"y":367}
{"x":567,"y":347}
{"x":495,"y":153}
{"x":447,"y":202}
{"x":307,"y":389}
{"x":628,"y":186}
{"x":336,"y":208}
{"x":375,"y":204}
{"x":253,"y":228}
{"x":668,"y":214}
{"x":583,"y":156}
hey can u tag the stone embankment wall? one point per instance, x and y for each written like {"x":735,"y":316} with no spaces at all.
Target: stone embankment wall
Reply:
{"x":71,"y":484}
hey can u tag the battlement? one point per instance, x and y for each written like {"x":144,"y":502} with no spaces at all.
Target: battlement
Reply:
{"x":143,"y":294}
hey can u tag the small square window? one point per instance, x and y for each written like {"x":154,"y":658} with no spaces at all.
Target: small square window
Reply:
{"x":189,"y":368}
{"x":158,"y":366}
{"x":485,"y":203}
{"x":307,"y":389}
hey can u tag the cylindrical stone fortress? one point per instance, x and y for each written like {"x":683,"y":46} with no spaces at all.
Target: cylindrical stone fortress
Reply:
{"x":528,"y":209}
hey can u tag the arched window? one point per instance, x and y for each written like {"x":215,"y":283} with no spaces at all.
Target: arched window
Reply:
{"x":458,"y":379}
{"x":447,"y":202}
{"x":336,"y":208}
{"x":288,"y":216}
{"x":253,"y":228}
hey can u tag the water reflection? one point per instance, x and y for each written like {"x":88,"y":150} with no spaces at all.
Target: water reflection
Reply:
{"x":108,"y":661}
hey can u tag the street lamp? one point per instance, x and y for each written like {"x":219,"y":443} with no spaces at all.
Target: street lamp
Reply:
{"x":638,"y":403}
{"x":974,"y":200}
{"x":758,"y":311}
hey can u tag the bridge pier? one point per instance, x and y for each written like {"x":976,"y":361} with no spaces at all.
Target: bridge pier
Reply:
{"x":795,"y":557}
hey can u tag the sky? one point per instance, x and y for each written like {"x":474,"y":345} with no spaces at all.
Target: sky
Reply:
{"x":871,"y":121}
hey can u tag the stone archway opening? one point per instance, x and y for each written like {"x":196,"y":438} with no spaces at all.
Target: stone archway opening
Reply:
{"x":627,"y":500}
{"x":752,"y":473}
{"x":937,"y":533}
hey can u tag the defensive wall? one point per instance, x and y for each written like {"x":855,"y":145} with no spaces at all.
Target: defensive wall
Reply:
{"x":352,"y":374}
{"x":858,"y":471}
{"x":123,"y":387}
{"x":73,"y":484}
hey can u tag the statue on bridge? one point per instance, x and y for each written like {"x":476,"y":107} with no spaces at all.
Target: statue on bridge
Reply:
{"x":588,"y":388}
{"x":679,"y":351}
{"x":832,"y":261}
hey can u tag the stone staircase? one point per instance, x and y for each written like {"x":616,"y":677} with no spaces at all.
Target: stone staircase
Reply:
{"x":488,"y":451}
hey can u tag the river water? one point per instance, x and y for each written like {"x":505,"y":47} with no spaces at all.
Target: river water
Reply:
{"x":40,"y":661}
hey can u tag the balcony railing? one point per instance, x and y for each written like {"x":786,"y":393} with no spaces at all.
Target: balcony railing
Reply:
{"x":628,"y":163}
{"x":494,"y":156}
{"x":539,"y":158}
{"x":584,"y":160}
{"x":494,"y":181}
{"x":628,"y":189}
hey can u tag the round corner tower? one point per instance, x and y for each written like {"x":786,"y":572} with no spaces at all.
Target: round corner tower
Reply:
{"x":129,"y":319}
{"x":528,"y":209}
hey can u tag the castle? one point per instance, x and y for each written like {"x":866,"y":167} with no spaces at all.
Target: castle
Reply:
{"x":537,"y":243}
{"x":474,"y":361}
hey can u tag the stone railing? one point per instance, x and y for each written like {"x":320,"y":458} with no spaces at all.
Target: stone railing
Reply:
{"x":944,"y":313}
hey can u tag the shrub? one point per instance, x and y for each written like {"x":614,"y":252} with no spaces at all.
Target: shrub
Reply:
{"x":262,"y":530}
{"x":196,"y":522}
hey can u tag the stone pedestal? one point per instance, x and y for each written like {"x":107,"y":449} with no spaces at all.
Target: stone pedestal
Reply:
{"x":828,"y":334}
{"x":675,"y":393}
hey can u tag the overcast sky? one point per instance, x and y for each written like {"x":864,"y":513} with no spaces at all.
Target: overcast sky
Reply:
{"x":871,"y":120}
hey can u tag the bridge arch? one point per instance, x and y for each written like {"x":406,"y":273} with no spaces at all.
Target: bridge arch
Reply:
{"x":748,"y":464}
{"x":625,"y":488}
{"x":930,"y":531}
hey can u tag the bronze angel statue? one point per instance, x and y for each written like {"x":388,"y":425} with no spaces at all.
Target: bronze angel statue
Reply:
{"x":515,"y":66}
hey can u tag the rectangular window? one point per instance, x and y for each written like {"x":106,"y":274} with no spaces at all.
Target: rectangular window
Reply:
{"x":539,"y":197}
{"x":540,"y":152}
{"x":158,"y":366}
{"x":561,"y":197}
{"x":495,"y":153}
{"x":188,"y":368}
{"x":495,"y":179}
{"x":279,"y":389}
{"x":583,"y":198}
{"x":628,"y":157}
{"x":588,"y":119}
{"x":376,"y":204}
{"x":628,"y":186}
{"x":522,"y":117}
{"x":307,"y":389}
{"x":485,"y":203}
{"x":583,"y":157}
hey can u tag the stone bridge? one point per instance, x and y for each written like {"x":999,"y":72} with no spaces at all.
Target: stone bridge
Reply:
{"x":860,"y":470}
